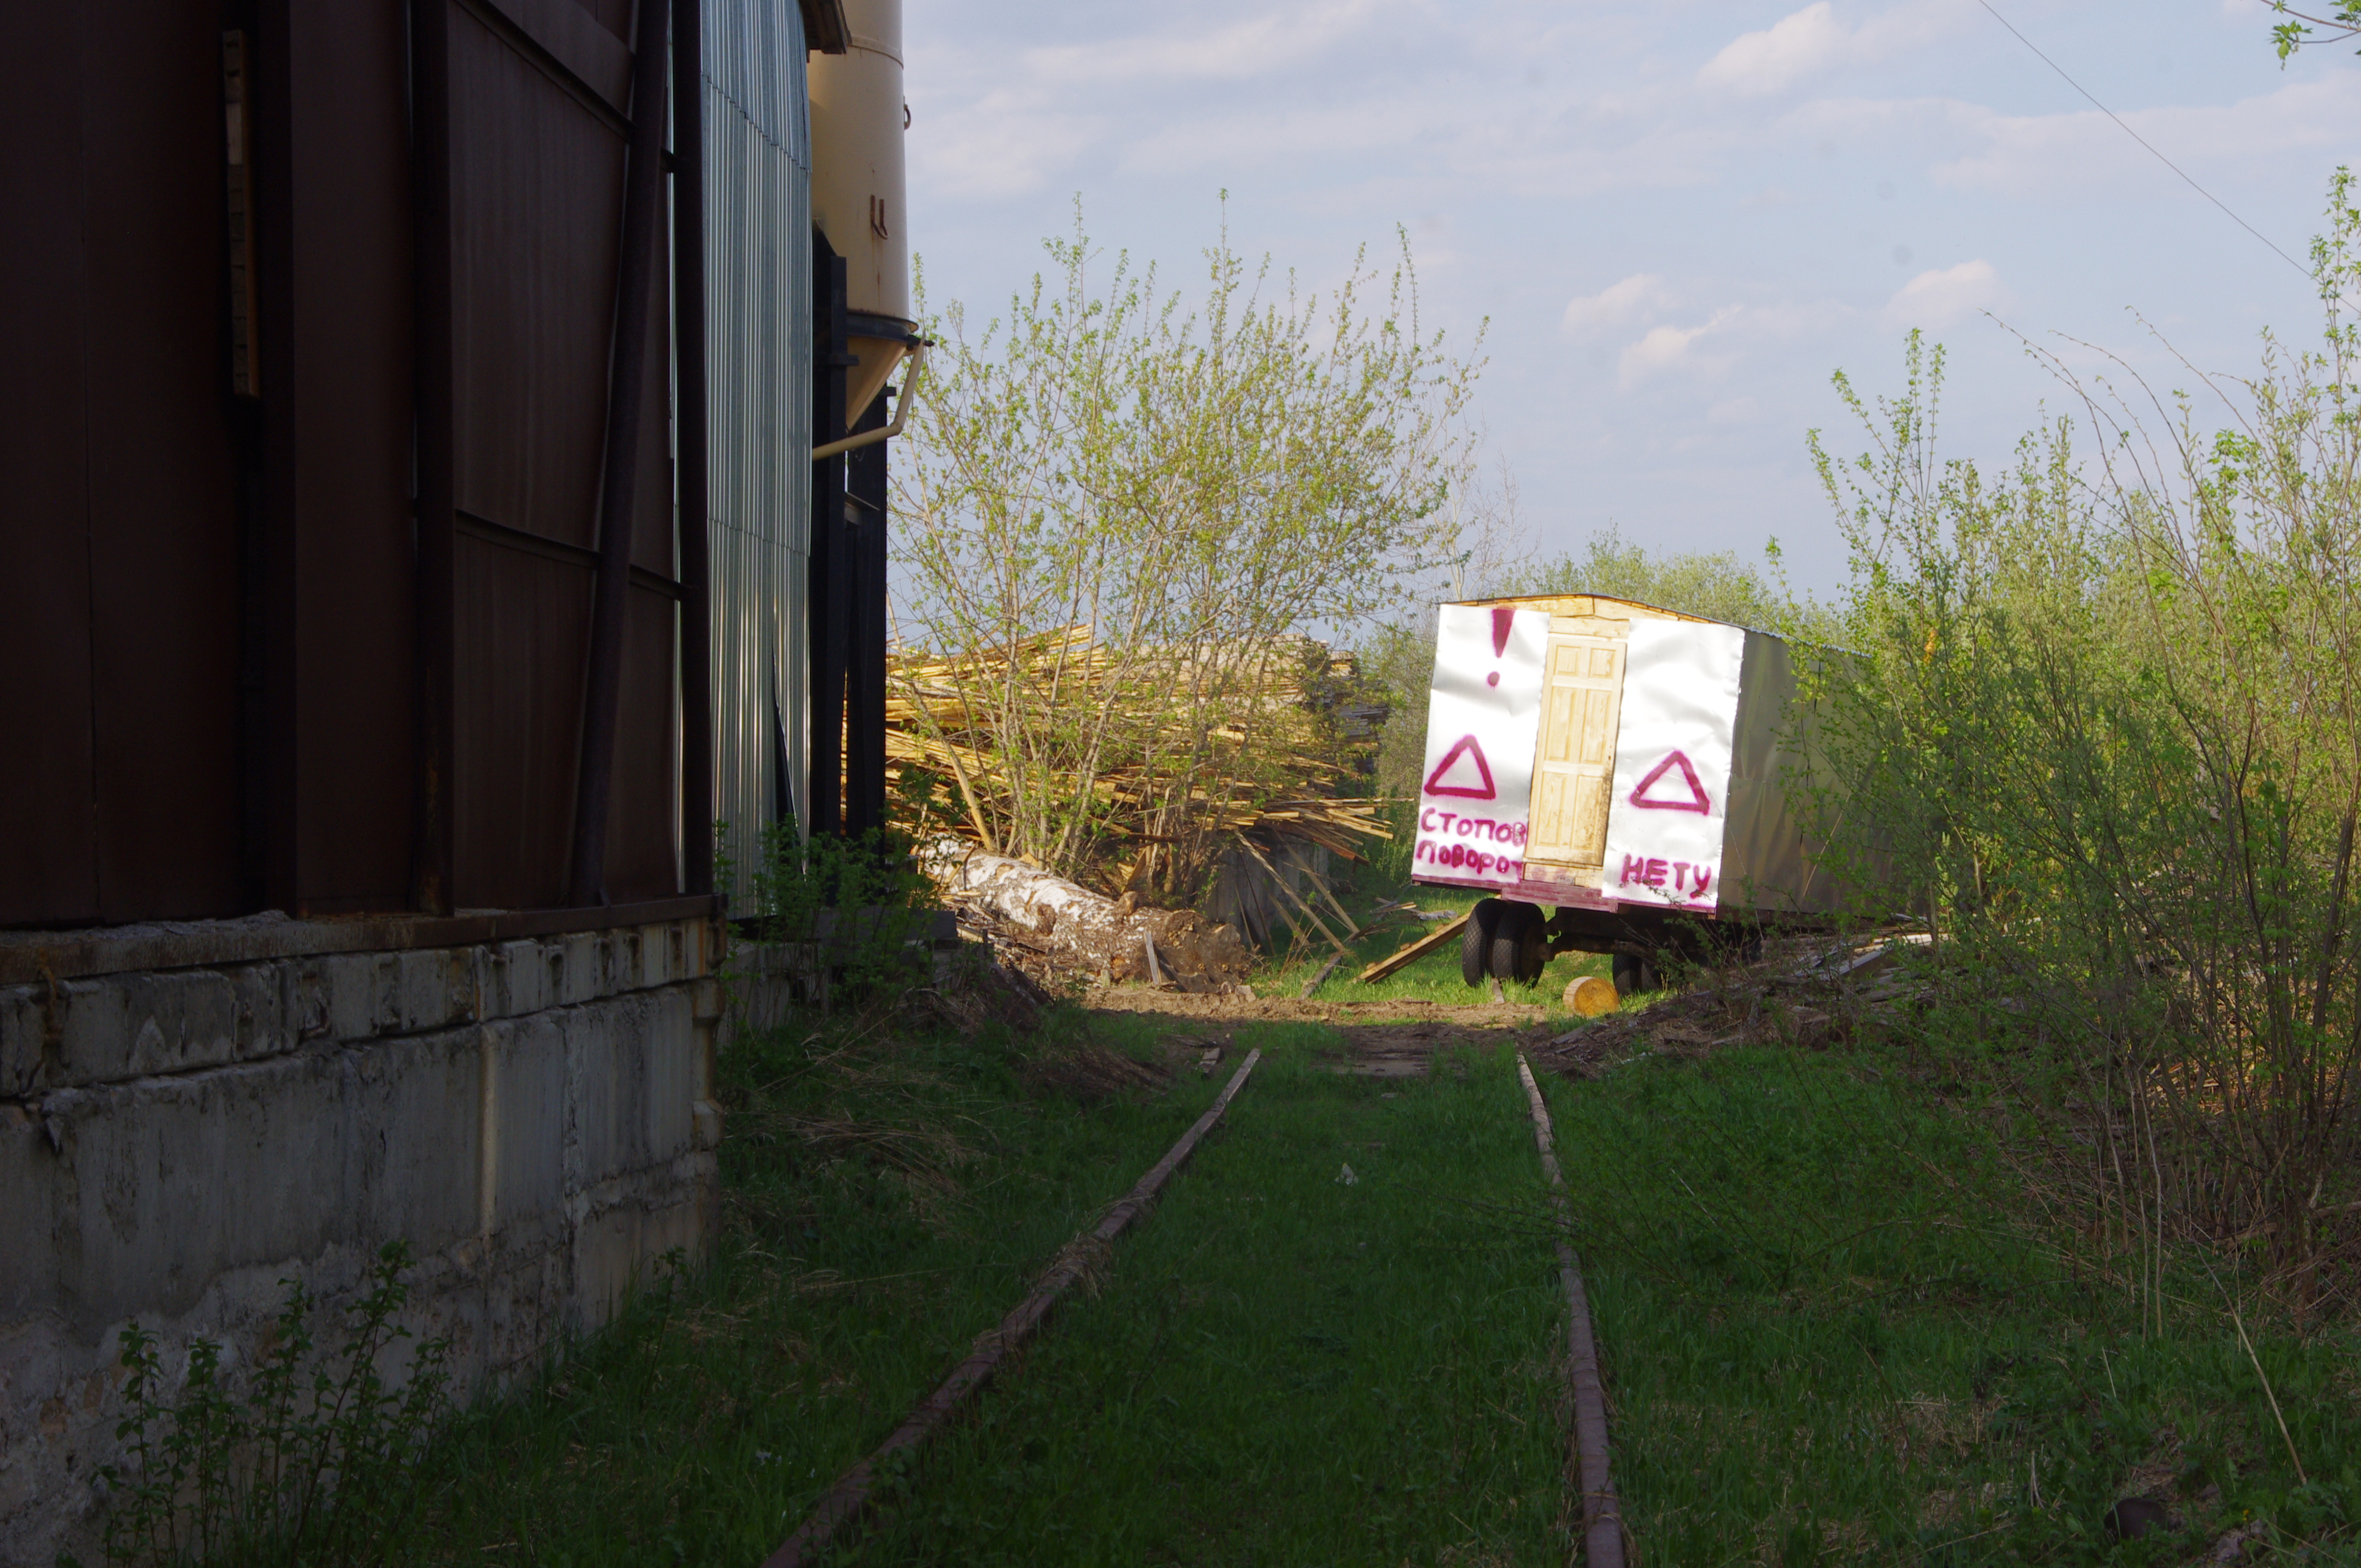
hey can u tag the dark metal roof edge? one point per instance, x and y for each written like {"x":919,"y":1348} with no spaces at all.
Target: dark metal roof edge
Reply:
{"x":34,"y":957}
{"x":825,"y":29}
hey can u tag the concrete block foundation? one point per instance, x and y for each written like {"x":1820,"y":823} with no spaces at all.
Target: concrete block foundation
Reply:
{"x":531,"y":1112}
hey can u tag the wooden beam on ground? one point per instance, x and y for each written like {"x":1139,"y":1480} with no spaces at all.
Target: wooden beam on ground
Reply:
{"x":1432,"y":942}
{"x":1313,"y":984}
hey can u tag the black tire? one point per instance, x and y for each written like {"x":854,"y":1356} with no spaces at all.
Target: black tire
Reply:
{"x":1631,"y":975}
{"x":1475,"y":941}
{"x":1519,"y":947}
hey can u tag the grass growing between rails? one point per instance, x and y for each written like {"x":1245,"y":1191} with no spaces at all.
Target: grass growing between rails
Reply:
{"x":1834,"y":1329}
{"x":1831,"y":1337}
{"x":1290,"y":1364}
{"x":886,"y":1200}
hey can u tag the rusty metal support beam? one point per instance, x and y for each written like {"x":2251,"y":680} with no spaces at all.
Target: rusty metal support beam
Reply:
{"x":626,"y":395}
{"x":828,"y":606}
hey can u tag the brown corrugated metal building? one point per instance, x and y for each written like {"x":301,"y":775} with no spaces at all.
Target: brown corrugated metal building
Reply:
{"x":313,"y":335}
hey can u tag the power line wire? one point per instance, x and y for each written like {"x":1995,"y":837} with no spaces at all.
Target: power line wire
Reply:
{"x":2193,"y":184}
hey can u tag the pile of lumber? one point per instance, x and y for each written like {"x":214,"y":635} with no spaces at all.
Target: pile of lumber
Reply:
{"x":1265,"y":772}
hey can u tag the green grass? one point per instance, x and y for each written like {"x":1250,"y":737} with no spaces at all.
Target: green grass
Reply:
{"x":1285,"y":1368}
{"x":1834,"y":1331}
{"x":1833,"y":1336}
{"x":885,"y":1204}
{"x":1434,"y":978}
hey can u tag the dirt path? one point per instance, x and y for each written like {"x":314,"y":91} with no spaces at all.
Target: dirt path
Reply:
{"x":1396,"y":1039}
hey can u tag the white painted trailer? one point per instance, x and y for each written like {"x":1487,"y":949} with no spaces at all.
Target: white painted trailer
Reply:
{"x":1628,"y":768}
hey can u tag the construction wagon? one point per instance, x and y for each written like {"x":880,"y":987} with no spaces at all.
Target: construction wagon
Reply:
{"x":1636,"y":772}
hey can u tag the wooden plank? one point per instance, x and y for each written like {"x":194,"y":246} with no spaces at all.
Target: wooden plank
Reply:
{"x":1313,"y":984}
{"x":1433,"y":941}
{"x":1288,"y":893}
{"x":1320,"y":884}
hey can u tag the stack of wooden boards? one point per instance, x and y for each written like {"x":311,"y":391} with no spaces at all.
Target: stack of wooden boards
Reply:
{"x":1059,"y":718}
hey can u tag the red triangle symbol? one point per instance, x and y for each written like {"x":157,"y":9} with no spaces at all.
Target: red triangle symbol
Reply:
{"x":1696,"y":801}
{"x":1465,"y":746}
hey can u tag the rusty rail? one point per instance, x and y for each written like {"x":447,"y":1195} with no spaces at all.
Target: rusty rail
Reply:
{"x":1602,"y":1516}
{"x":850,"y":1496}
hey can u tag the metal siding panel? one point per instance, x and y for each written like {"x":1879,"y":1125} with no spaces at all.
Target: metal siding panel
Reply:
{"x":48,"y":870}
{"x":642,"y":860}
{"x":537,"y":185}
{"x":164,"y":533}
{"x":615,"y":15}
{"x":524,"y":621}
{"x":536,"y":203}
{"x":352,"y":358}
{"x":758,"y":302}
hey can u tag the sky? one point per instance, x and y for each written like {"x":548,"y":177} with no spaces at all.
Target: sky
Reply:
{"x":1672,"y":221}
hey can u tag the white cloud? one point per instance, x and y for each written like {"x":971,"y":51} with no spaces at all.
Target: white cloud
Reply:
{"x":1939,"y":297}
{"x":1635,"y":297}
{"x":1667,"y":347}
{"x":1799,"y":46}
{"x":1714,"y":347}
{"x":1806,"y":42}
{"x":2079,"y":154}
{"x":1278,"y":41}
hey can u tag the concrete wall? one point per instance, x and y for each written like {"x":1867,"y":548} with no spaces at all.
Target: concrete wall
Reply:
{"x":533,"y":1116}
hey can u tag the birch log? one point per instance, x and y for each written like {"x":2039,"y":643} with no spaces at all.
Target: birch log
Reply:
{"x":1085,"y":931}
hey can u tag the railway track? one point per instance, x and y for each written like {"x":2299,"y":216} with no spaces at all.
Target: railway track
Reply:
{"x":1585,"y":1471}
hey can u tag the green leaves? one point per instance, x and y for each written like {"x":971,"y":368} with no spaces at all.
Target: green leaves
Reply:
{"x":2104,"y":723}
{"x":311,"y":1466}
{"x":1194,"y":488}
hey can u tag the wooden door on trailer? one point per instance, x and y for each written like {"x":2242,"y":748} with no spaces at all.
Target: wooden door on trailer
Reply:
{"x":1574,"y":765}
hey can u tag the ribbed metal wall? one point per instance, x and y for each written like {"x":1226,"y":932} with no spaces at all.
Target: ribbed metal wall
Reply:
{"x":758,"y":304}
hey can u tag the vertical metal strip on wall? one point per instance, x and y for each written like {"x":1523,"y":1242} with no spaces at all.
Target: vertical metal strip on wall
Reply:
{"x":758,"y":334}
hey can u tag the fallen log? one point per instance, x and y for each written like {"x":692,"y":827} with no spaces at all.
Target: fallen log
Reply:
{"x":1085,"y":932}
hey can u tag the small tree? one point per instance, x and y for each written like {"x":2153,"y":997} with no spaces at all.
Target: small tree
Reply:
{"x":1118,"y":519}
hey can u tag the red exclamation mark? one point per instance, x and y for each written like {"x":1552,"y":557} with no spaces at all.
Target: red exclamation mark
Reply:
{"x":1504,"y":619}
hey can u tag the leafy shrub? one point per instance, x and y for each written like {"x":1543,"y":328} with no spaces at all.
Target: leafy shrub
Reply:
{"x":853,"y":904}
{"x":311,"y":1466}
{"x":2106,"y":715}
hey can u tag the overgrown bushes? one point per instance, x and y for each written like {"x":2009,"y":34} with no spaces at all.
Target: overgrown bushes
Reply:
{"x":2106,"y":714}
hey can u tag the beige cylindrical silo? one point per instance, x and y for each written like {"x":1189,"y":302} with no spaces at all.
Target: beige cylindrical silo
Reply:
{"x":857,"y":118}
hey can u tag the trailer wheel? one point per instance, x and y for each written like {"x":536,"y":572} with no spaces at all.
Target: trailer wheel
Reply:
{"x":1475,"y":941}
{"x":1520,"y":946}
{"x":1633,"y":974}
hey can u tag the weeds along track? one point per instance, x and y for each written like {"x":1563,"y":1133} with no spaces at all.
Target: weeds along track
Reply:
{"x":852,"y":1493}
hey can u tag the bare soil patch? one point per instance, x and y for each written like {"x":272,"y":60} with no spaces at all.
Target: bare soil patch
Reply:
{"x":1397,"y":1038}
